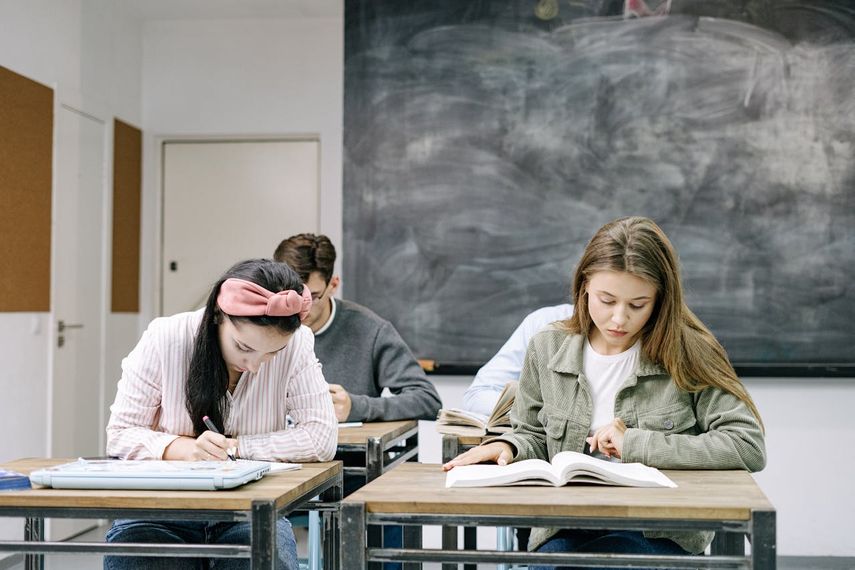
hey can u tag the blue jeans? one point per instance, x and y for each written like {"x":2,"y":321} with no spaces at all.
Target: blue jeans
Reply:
{"x":195,"y":532}
{"x":606,"y":541}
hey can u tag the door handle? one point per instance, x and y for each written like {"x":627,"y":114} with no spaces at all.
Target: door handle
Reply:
{"x":61,"y":326}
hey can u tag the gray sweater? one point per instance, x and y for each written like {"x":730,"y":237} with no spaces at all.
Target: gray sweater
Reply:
{"x":364,"y":353}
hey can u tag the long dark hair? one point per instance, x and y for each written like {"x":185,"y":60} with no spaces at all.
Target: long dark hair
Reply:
{"x":208,"y":377}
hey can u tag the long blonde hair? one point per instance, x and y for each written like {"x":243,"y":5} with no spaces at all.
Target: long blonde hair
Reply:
{"x":673,"y":336}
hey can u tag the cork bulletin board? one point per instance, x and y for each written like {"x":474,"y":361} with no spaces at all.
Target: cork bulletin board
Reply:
{"x":26,"y":140}
{"x":127,"y":180}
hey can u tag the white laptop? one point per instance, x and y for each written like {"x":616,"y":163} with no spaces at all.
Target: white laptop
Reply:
{"x":151,"y":474}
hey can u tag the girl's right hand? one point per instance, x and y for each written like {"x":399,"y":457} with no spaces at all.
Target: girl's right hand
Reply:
{"x":498,"y":452}
{"x":209,"y":446}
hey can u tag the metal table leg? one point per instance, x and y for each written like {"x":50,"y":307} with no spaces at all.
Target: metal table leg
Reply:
{"x":763,"y":547}
{"x":34,"y":530}
{"x":353,"y":535}
{"x":263,"y":536}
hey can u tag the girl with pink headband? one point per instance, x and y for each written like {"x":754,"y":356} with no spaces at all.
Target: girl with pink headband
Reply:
{"x":244,"y":363}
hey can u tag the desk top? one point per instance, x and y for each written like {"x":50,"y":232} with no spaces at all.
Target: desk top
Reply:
{"x":701,"y":495}
{"x":383,"y":430}
{"x":282,"y":487}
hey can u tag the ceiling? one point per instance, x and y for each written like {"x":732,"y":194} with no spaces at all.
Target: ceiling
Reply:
{"x":228,"y":9}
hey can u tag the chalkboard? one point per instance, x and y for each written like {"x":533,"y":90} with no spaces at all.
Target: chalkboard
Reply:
{"x":483,"y":146}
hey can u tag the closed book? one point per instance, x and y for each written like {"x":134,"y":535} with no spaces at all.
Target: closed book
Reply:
{"x":13,"y":480}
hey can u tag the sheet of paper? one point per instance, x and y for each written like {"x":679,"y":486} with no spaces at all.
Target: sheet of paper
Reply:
{"x":278,"y":466}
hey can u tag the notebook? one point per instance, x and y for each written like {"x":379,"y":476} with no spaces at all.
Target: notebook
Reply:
{"x":157,"y":475}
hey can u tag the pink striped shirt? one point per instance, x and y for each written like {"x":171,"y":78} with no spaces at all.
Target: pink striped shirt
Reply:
{"x":149,"y":412}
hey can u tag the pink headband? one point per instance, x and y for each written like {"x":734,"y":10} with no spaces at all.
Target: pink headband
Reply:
{"x":241,"y":298}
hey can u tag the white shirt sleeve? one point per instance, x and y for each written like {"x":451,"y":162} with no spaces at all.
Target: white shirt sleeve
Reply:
{"x":138,"y":406}
{"x":482,"y":395}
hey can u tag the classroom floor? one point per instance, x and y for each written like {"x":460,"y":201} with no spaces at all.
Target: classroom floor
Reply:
{"x":94,"y":562}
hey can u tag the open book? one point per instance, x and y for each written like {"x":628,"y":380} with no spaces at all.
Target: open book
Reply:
{"x":499,"y":421}
{"x":566,"y":467}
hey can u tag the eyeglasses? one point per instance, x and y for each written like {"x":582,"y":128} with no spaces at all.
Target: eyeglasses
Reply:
{"x":317,"y":296}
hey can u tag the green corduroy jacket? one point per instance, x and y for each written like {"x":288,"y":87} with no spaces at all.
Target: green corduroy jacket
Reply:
{"x":666,"y":427}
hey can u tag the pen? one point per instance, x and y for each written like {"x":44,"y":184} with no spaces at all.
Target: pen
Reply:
{"x":210,"y":425}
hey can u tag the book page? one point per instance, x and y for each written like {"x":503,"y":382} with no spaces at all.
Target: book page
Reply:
{"x":457,"y":416}
{"x":501,"y":415}
{"x":574,"y":466}
{"x":528,"y":472}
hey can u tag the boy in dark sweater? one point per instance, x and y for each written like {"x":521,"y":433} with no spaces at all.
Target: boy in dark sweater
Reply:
{"x":361,"y":353}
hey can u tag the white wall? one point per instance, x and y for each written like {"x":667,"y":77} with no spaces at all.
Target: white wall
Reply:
{"x":241,"y":78}
{"x":90,"y":53}
{"x":808,"y":477}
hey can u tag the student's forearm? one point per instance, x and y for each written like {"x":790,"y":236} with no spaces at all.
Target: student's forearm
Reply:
{"x":481,"y":399}
{"x":410,"y":404}
{"x":137,"y":443}
{"x":304,"y":443}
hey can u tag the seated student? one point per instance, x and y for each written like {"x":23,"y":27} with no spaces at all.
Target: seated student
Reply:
{"x":643,"y":379}
{"x":483,"y":393}
{"x":244,"y":361}
{"x":361,"y":353}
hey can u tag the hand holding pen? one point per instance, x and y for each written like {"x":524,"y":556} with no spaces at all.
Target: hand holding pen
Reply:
{"x":230,"y":451}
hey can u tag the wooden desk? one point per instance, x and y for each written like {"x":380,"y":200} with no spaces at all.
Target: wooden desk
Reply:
{"x":704,"y":500}
{"x":260,"y":502}
{"x":382,"y":444}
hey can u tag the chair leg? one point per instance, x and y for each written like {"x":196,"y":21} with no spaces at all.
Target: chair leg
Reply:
{"x":504,"y":543}
{"x":315,"y":532}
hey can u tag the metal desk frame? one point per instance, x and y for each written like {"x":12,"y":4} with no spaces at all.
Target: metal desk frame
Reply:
{"x":383,"y":453}
{"x":760,"y":529}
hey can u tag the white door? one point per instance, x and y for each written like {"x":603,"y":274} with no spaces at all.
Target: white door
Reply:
{"x":76,"y":425}
{"x":224,"y":202}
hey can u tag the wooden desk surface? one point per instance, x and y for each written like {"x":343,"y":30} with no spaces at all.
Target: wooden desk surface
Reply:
{"x":701,"y":495}
{"x":281,"y":487}
{"x":389,"y":430}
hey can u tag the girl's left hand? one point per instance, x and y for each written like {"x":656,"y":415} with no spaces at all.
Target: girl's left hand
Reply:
{"x":608,"y":439}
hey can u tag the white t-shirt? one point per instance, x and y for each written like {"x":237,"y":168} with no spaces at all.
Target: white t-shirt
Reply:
{"x":606,"y":374}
